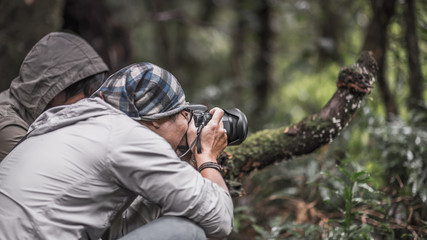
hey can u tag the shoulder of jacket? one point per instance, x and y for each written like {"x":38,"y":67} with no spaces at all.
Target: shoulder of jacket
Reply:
{"x":9,"y":117}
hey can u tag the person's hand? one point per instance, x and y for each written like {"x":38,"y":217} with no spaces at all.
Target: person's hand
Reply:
{"x":213,"y":142}
{"x":213,"y":138}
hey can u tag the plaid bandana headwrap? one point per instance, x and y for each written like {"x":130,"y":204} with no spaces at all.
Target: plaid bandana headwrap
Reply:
{"x":145,"y":91}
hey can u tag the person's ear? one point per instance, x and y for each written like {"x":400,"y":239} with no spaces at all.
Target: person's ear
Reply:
{"x":102,"y":95}
{"x":156,"y":124}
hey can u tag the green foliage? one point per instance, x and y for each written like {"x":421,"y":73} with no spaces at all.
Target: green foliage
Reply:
{"x":347,"y":191}
{"x":291,"y":231}
{"x":299,"y":97}
{"x":358,"y":181}
{"x":241,"y":215}
{"x":274,"y":189}
{"x":402,"y":150}
{"x":354,"y":190}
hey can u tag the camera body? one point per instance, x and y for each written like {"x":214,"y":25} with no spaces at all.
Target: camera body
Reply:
{"x":234,"y":121}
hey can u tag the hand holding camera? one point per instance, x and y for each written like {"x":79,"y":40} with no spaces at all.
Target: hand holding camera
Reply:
{"x":234,"y":120}
{"x":233,"y":124}
{"x":211,"y":137}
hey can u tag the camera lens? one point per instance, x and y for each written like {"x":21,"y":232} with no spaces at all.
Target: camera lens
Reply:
{"x":236,"y":124}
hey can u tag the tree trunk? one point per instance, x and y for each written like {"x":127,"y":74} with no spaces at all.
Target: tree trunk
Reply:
{"x":416,"y":80}
{"x":161,"y":16}
{"x":238,"y":48}
{"x":376,"y":41}
{"x":266,"y":147}
{"x":97,"y":26}
{"x":330,"y":26}
{"x":39,"y":18}
{"x":262,"y":82}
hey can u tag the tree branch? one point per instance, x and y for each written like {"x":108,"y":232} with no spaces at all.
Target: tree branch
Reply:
{"x":266,"y":147}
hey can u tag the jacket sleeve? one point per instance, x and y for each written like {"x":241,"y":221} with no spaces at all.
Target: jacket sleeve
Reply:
{"x":9,"y":136}
{"x":145,"y":163}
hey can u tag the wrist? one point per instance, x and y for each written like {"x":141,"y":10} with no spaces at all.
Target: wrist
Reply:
{"x":212,"y":165}
{"x":200,"y":159}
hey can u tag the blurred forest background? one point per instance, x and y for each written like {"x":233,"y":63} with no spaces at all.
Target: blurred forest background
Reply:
{"x":278,"y":62}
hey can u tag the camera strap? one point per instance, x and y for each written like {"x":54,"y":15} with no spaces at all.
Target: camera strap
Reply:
{"x":198,"y":140}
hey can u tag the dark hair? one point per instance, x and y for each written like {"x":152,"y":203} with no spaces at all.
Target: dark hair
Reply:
{"x":174,"y":116}
{"x":87,"y":85}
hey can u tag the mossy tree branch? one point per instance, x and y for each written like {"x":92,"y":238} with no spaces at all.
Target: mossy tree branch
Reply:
{"x":266,"y":147}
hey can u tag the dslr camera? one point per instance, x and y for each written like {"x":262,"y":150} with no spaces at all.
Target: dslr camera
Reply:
{"x":235,"y":123}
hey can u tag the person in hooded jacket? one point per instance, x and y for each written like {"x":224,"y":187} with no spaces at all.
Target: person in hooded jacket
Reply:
{"x":60,"y":69}
{"x":81,"y":165}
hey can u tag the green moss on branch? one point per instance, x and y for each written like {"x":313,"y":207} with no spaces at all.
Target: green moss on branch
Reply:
{"x":266,"y":147}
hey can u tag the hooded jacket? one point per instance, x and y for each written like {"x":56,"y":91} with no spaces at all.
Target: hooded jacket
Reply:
{"x":54,"y":63}
{"x":82,"y":163}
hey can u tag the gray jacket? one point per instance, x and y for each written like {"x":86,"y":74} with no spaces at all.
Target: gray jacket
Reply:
{"x":54,"y":63}
{"x":82,"y":163}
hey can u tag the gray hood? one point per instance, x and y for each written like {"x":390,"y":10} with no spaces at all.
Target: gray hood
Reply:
{"x":54,"y":63}
{"x":65,"y":115}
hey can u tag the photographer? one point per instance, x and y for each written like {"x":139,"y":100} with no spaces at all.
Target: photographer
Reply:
{"x":81,"y":165}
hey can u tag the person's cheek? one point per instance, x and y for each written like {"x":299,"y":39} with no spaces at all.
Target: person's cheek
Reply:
{"x":191,"y":131}
{"x":183,"y":143}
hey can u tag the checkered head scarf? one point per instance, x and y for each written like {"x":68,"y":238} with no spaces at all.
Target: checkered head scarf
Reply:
{"x":146,"y":92}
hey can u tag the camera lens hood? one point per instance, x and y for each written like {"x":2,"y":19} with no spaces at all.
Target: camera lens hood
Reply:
{"x":236,"y":124}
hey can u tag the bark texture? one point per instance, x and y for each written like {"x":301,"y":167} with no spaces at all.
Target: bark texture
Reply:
{"x":266,"y":147}
{"x":377,"y":42}
{"x":262,"y":81}
{"x":416,"y":79}
{"x":98,"y":26}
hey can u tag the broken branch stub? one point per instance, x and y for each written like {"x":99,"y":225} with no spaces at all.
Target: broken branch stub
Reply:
{"x":266,"y":147}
